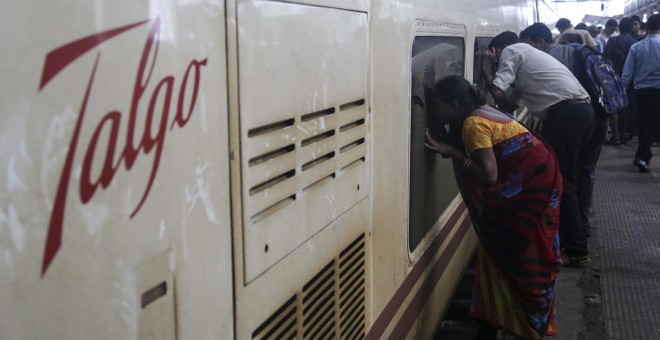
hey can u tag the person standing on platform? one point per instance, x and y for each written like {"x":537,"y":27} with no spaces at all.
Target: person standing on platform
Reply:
{"x":511,"y":183}
{"x":581,"y":26}
{"x":611,"y":27}
{"x":637,"y":33}
{"x":565,"y":27}
{"x":633,"y":122}
{"x":617,"y":51}
{"x":563,"y":24}
{"x":593,"y":32}
{"x":553,"y":94}
{"x":642,"y":68}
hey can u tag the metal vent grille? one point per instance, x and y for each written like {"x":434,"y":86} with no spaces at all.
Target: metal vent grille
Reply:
{"x":331,"y":305}
{"x":289,"y":158}
{"x":352,"y":290}
{"x":312,"y":161}
{"x":280,"y":325}
{"x":319,"y":305}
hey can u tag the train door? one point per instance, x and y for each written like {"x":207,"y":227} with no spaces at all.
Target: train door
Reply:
{"x":421,"y":231}
{"x":437,"y":221}
{"x":299,"y":117}
{"x":432,"y":183}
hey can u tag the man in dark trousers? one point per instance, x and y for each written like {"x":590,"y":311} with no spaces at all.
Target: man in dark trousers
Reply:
{"x":538,"y":35}
{"x":642,"y":68}
{"x":553,"y":94}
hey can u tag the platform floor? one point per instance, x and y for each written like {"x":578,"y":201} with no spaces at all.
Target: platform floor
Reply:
{"x":627,"y":213}
{"x":617,"y":296}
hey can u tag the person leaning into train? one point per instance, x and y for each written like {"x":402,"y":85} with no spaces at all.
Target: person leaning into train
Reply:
{"x":539,"y":36}
{"x":553,"y":94}
{"x":510,"y":181}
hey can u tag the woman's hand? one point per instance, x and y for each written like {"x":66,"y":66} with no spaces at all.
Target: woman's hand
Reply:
{"x":482,"y":166}
{"x":441,"y":148}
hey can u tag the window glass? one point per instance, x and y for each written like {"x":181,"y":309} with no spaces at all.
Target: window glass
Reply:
{"x":432,"y":183}
{"x":481,"y":45}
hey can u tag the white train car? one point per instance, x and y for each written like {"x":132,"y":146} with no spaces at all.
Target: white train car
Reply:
{"x":209,"y":169}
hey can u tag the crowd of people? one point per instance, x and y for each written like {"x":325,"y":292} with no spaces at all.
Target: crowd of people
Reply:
{"x":528,"y":187}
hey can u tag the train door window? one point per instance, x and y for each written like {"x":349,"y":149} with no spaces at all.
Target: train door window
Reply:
{"x":432,"y":183}
{"x":480,"y":46}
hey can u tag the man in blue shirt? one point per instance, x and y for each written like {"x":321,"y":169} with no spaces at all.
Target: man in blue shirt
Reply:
{"x":642,"y":67}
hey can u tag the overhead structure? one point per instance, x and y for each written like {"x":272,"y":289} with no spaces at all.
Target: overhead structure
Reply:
{"x":599,"y":19}
{"x":643,"y":8}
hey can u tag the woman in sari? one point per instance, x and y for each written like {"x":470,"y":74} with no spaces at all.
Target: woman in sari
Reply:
{"x":510,"y":181}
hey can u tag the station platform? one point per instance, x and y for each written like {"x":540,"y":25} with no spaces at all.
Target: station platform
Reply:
{"x":626,"y":245}
{"x":617,"y":295}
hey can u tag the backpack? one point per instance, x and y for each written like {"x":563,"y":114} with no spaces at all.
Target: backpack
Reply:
{"x":598,"y":76}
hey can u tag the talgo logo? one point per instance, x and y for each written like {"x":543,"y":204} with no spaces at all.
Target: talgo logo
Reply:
{"x":172,"y":114}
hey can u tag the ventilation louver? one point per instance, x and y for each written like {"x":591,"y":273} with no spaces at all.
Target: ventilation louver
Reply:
{"x":323,"y":139}
{"x":329,"y":306}
{"x":314,"y":161}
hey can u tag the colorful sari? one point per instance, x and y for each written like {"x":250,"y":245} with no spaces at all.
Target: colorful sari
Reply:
{"x":517,"y":221}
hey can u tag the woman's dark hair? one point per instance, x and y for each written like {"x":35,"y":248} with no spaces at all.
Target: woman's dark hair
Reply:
{"x":538,"y":31}
{"x":457,"y":88}
{"x":504,"y":39}
{"x":625,"y":25}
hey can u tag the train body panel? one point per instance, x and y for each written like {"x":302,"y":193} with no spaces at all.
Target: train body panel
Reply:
{"x":110,"y":192}
{"x":231,"y":169}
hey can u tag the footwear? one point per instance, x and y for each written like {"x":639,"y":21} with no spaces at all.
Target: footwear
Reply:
{"x":612,"y":141}
{"x":575,"y":261}
{"x":642,"y":165}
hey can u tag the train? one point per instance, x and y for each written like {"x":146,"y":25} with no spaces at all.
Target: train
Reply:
{"x":232,"y":169}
